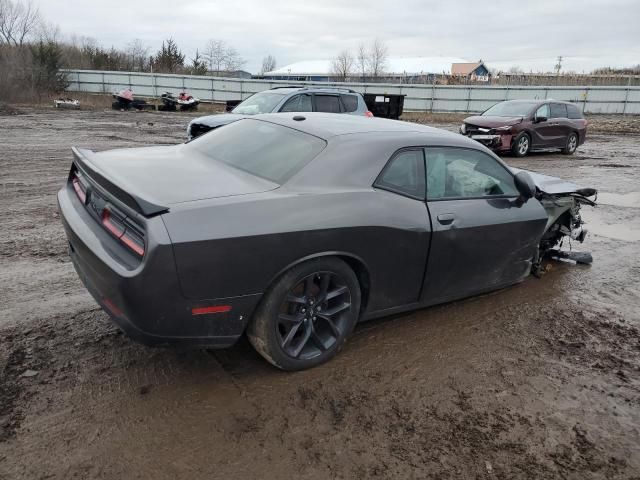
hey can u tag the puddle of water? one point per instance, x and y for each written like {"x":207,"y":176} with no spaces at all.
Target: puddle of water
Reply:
{"x":595,"y":224}
{"x":620,"y":200}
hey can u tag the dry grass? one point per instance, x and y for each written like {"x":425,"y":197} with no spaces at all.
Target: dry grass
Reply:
{"x":433,"y":118}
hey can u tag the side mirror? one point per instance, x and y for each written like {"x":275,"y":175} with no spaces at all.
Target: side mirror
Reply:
{"x":524,"y":184}
{"x":540,"y":119}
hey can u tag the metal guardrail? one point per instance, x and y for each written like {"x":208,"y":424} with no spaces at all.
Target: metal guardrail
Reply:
{"x":419,"y":98}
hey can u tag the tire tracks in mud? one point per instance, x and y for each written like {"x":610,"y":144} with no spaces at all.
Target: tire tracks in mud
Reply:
{"x":537,"y":381}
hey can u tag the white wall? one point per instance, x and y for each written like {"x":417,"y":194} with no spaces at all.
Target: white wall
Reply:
{"x":419,"y":98}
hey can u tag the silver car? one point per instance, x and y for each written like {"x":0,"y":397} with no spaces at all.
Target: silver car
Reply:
{"x":285,"y":99}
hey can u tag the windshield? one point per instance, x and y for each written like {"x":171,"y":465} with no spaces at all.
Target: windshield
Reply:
{"x":260,"y":148}
{"x":510,"y":109}
{"x":263,"y":102}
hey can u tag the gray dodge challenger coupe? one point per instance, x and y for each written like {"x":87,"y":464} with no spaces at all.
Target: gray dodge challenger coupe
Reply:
{"x":292,"y":228}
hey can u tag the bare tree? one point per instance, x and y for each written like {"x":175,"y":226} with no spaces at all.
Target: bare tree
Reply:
{"x":17,"y":21}
{"x":362,"y":60}
{"x":215,"y":53}
{"x":268,"y":63}
{"x":377,"y":58}
{"x":233,"y":61}
{"x":342,"y":65}
{"x":137,"y":55}
{"x":49,"y":32}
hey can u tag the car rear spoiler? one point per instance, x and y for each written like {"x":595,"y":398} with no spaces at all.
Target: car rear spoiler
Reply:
{"x":90,"y":169}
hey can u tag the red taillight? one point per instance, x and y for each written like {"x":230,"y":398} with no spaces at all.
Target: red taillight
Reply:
{"x":77,"y":186}
{"x":118,"y":229}
{"x":111,"y":224}
{"x":368,"y":114}
{"x":132,"y":244}
{"x":212,"y":309}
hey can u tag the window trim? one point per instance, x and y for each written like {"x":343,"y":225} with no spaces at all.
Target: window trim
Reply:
{"x":387,"y":188}
{"x":546,"y":104}
{"x":480,"y":197}
{"x":286,"y":102}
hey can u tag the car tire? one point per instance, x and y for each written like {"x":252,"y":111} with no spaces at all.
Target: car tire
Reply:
{"x":521,"y":145}
{"x":306,"y":316}
{"x":571,"y":144}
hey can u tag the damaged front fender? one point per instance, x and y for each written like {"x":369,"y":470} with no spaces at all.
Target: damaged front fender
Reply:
{"x":562,"y":201}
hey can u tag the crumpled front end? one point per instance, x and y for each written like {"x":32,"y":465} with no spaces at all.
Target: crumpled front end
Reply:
{"x":497,"y":138}
{"x":564,"y":224}
{"x":562,"y":200}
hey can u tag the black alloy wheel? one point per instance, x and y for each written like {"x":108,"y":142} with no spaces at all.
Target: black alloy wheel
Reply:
{"x":306,"y":316}
{"x":313,"y":315}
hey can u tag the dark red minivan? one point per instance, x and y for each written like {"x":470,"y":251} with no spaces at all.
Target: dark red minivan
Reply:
{"x":521,"y":126}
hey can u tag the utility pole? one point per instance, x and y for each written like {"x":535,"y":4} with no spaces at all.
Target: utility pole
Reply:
{"x":559,"y":65}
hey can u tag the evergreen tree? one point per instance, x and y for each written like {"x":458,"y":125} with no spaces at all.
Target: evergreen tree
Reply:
{"x":169,"y":59}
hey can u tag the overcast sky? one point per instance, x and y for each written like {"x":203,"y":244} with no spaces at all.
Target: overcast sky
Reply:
{"x":530,"y":34}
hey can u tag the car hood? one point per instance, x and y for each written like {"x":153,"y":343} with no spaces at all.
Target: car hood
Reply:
{"x":173,"y":174}
{"x":492,"y":122}
{"x":218,"y":120}
{"x":549,"y":184}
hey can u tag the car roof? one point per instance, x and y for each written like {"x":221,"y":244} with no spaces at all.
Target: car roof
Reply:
{"x":327,"y":125}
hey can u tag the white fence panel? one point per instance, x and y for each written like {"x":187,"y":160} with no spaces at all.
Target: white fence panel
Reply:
{"x":419,"y":98}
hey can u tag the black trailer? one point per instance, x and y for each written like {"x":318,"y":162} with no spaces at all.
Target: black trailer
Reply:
{"x":231,"y":104}
{"x":384,"y":105}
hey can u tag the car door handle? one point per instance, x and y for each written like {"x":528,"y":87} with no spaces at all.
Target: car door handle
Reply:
{"x":446,"y":218}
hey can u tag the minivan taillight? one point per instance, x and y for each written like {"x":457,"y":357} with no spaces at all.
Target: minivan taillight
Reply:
{"x":368,"y":114}
{"x":123,"y":230}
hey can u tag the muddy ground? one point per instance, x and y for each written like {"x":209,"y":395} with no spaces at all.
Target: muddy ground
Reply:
{"x":541,"y":380}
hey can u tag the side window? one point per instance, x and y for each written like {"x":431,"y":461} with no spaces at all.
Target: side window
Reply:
{"x":461,"y":173}
{"x":298,"y":103}
{"x":327,"y":103}
{"x":404,"y":174}
{"x":349,"y":102}
{"x":573,"y":112}
{"x":305,"y":103}
{"x":558,"y":110}
{"x":543,"y":111}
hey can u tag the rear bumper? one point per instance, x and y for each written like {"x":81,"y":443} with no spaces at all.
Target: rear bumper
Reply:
{"x":147,"y":302}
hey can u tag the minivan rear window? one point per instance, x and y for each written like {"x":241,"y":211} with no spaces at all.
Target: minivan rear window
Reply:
{"x":349,"y":102}
{"x":260,"y":148}
{"x":573,"y":111}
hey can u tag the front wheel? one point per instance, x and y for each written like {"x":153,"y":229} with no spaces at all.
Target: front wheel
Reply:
{"x":521,"y":145}
{"x":571,"y":145}
{"x":306,"y":316}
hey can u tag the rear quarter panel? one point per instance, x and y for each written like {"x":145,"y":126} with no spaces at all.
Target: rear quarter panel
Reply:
{"x":230,"y":247}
